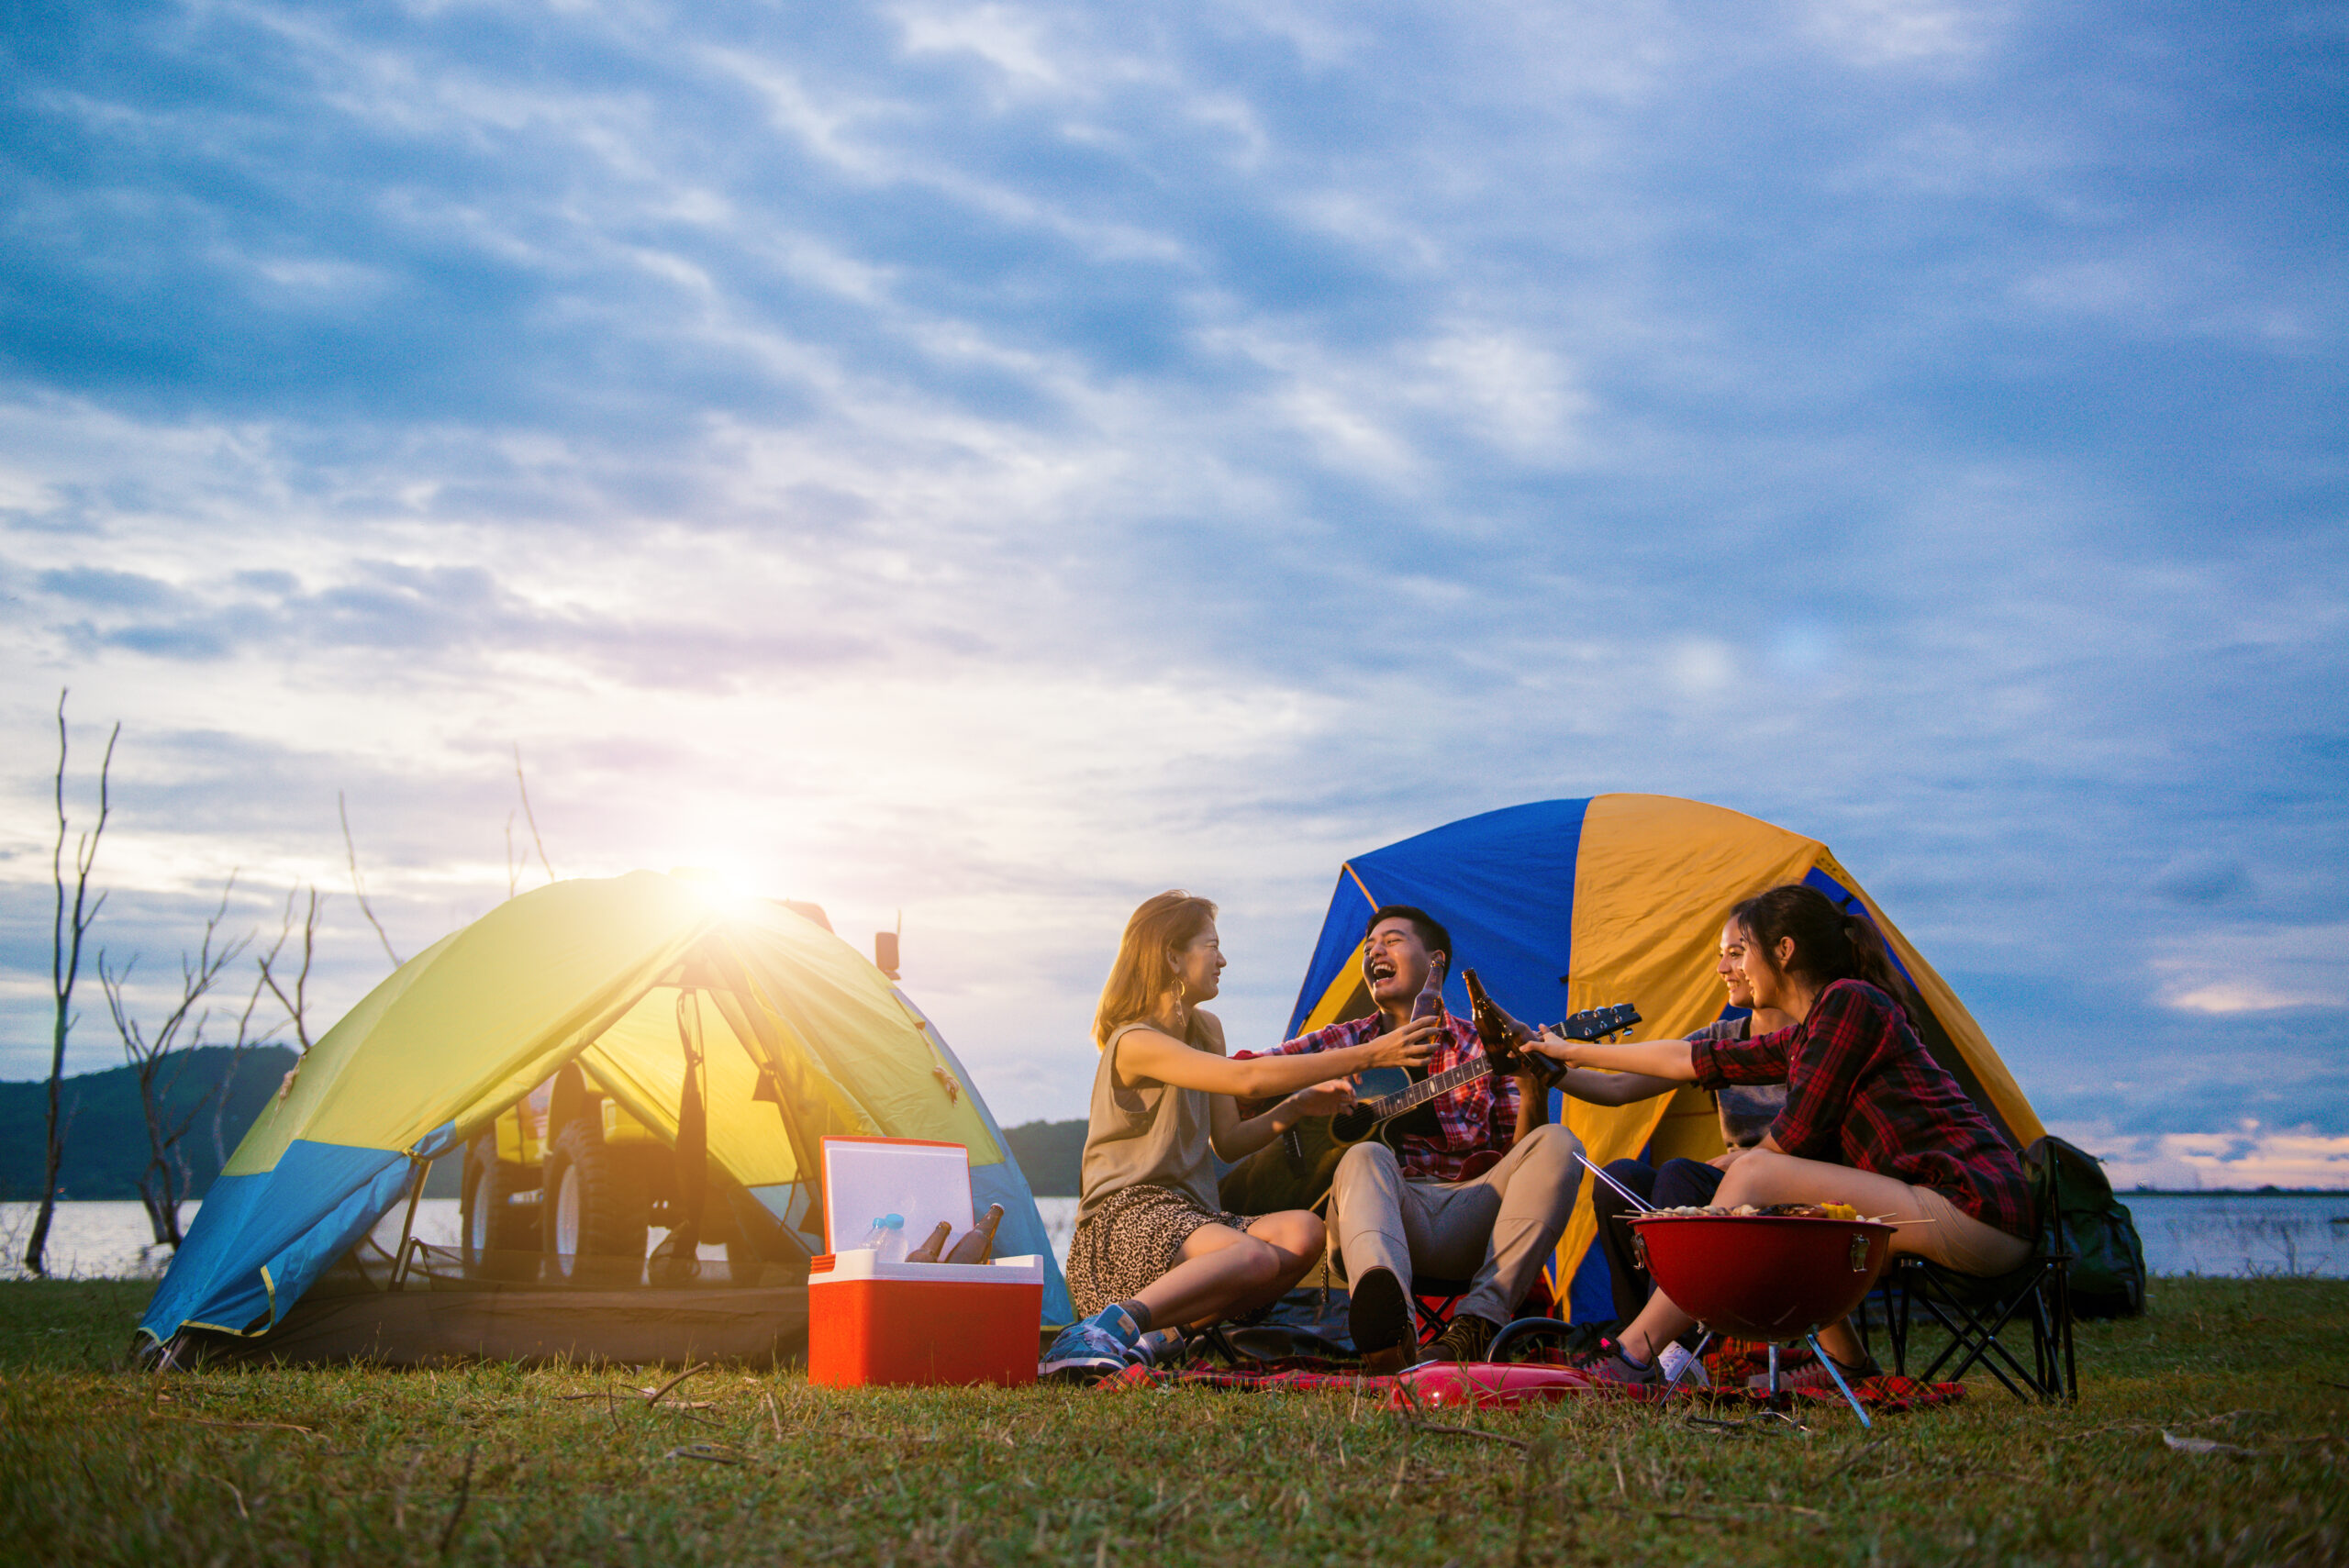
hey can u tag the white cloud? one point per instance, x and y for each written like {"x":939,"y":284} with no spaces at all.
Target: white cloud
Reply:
{"x":2250,"y":969}
{"x":1892,"y":33}
{"x":1007,"y":38}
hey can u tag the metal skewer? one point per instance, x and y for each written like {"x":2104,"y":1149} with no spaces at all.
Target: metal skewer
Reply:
{"x":1628,"y":1195}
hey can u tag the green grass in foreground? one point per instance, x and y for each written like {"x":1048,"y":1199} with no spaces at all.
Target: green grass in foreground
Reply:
{"x":102,"y":1464}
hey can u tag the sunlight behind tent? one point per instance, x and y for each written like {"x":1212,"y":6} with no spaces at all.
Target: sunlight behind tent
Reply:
{"x":729,"y":886}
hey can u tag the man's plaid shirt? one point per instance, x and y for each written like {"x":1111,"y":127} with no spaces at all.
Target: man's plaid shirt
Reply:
{"x":1477,"y":1115}
{"x":1862,"y":1091}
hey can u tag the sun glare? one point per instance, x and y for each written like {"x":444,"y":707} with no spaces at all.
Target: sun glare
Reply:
{"x":724,"y":880}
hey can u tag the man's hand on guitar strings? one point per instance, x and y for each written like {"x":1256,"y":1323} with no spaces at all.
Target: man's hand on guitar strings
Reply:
{"x":1323,"y":1099}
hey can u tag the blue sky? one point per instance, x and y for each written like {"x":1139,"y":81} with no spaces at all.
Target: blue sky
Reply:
{"x":995,"y":462}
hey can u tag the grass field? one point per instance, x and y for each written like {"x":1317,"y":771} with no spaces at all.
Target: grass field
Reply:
{"x":497,"y":1465}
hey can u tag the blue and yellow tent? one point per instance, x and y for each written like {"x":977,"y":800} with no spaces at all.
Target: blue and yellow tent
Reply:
{"x":1563,"y":905}
{"x":596,"y":972}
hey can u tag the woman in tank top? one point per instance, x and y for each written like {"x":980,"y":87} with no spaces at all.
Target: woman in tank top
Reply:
{"x":1152,"y":1245}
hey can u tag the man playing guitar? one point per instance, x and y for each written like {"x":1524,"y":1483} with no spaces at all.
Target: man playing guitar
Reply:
{"x":1481,"y":1186}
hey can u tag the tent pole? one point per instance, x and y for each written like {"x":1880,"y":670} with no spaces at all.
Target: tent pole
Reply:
{"x":408,"y":1226}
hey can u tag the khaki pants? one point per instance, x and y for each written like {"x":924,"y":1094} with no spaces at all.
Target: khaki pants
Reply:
{"x":1497,"y":1229}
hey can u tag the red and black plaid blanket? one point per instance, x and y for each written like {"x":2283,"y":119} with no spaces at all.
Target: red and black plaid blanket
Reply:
{"x":1443,"y":1385}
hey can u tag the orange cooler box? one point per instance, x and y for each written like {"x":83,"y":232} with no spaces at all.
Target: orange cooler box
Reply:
{"x":870,"y":1322}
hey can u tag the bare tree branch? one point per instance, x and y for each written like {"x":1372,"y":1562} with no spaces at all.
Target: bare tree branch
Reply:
{"x":246,"y":1040}
{"x":520,"y":784}
{"x":65,"y":966}
{"x":359,"y":887}
{"x":297,"y":1005}
{"x":163,"y":1183}
{"x":513,"y":871}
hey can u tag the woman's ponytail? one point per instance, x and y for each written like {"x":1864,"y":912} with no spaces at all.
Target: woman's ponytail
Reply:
{"x":1872,"y":961}
{"x":1829,"y":944}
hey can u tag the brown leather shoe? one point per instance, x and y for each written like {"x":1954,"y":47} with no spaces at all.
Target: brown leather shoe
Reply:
{"x":1466,"y":1339}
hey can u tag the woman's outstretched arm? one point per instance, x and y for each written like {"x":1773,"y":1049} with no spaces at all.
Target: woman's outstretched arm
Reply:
{"x":1672,"y":1058}
{"x":1236,"y":1136}
{"x":1598,"y":1088}
{"x":1149,"y":1054}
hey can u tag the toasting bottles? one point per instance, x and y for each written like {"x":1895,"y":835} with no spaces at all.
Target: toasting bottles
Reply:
{"x":928,"y":1251}
{"x":978,"y":1243}
{"x":1502,"y":1035}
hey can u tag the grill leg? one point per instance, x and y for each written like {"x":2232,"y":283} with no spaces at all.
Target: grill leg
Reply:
{"x":1674,"y":1382}
{"x":1829,"y":1363}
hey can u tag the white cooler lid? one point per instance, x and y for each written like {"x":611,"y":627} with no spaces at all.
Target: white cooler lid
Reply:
{"x":866,"y":1178}
{"x":862,"y":1263}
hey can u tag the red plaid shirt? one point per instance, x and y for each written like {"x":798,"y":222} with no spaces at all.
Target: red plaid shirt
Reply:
{"x":1862,"y":1091}
{"x":1476,"y":1117}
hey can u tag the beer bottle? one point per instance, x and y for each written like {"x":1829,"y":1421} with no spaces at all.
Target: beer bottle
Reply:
{"x":978,"y":1241}
{"x":928,"y":1251}
{"x":1501,"y":1035}
{"x":1429,"y":1003}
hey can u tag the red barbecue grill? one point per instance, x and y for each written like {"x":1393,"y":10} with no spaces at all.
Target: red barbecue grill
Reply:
{"x":1770,"y":1278}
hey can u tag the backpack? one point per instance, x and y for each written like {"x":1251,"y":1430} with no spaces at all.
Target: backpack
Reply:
{"x":2078,"y":1212}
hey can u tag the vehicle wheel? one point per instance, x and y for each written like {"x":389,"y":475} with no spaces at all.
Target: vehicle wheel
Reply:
{"x":497,"y":1233}
{"x":594,"y":1205}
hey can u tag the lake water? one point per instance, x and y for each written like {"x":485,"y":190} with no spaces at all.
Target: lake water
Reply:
{"x":2238,"y":1235}
{"x":113,"y":1240}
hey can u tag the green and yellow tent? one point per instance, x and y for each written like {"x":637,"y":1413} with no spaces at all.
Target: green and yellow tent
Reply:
{"x":1563,"y":904}
{"x":801,"y":1037}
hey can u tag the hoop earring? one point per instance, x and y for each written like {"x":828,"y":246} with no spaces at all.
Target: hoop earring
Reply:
{"x":1182,"y":992}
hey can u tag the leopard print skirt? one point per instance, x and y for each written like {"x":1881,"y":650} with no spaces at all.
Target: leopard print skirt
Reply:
{"x":1131,"y":1240}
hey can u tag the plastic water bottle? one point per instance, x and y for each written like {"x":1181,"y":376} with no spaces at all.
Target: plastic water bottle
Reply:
{"x":886,"y":1238}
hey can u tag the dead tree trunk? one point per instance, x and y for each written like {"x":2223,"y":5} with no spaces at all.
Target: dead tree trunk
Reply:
{"x":65,"y":966}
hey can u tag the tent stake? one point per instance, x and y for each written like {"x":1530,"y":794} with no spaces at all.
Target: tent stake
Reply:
{"x":408,"y":1226}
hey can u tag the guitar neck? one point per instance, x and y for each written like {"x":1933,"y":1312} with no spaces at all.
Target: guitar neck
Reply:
{"x":1429,"y":1088}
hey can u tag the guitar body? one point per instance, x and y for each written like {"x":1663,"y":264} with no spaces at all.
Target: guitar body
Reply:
{"x":1359,"y":1121}
{"x":1280,"y":1177}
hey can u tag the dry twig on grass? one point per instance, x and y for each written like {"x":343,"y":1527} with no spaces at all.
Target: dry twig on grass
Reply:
{"x":1416,"y":1421}
{"x":654,"y":1396}
{"x":1537,"y":1456}
{"x":249,"y":1426}
{"x":464,"y":1496}
{"x":712,"y":1453}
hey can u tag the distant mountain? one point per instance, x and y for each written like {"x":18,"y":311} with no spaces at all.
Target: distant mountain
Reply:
{"x":105,"y":1146}
{"x":106,"y":1141}
{"x":1049,"y":1154}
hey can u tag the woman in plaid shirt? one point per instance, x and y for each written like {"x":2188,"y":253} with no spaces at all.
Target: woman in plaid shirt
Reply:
{"x":1871,"y":1118}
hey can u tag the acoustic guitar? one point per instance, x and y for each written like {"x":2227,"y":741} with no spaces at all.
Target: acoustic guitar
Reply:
{"x":1294,"y":1171}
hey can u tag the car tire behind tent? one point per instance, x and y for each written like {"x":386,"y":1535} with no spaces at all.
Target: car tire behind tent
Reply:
{"x":594,"y":1205}
{"x":497,"y":1236}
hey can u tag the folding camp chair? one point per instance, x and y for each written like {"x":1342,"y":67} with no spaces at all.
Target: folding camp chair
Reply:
{"x":1433,"y":1301}
{"x":1976,"y":1311}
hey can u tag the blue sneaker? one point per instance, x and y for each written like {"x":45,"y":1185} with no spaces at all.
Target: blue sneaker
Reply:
{"x":1094,"y":1348}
